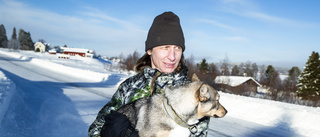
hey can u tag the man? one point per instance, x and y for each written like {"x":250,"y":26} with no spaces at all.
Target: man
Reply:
{"x":162,"y":65}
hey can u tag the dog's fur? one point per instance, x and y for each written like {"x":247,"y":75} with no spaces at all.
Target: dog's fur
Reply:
{"x":191,"y":102}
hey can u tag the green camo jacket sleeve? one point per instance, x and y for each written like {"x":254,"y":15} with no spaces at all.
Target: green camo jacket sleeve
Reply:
{"x":131,"y":89}
{"x":113,"y":104}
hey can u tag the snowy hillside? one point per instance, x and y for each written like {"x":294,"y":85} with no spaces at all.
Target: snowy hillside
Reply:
{"x":77,"y":76}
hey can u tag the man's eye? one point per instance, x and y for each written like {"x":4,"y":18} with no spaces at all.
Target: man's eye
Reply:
{"x":164,"y":47}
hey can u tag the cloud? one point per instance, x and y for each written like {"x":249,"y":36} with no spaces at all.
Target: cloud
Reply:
{"x":253,"y":10}
{"x":278,"y":20}
{"x":89,"y":28}
{"x":217,"y":24}
{"x":236,"y":38}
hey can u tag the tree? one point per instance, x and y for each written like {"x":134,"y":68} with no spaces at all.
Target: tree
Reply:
{"x":235,"y":71}
{"x":25,"y":40}
{"x":14,"y":34}
{"x":213,"y":69}
{"x":255,"y":69}
{"x":249,"y":69}
{"x":207,"y":72}
{"x":189,"y":62}
{"x":309,"y":82}
{"x":44,"y":41}
{"x":225,"y":66}
{"x":14,"y":43}
{"x":203,"y":66}
{"x":272,"y":80}
{"x":131,"y":60}
{"x":262,"y":73}
{"x":292,"y":80}
{"x":3,"y":37}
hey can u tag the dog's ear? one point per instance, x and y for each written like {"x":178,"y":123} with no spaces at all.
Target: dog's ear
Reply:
{"x":194,"y":77}
{"x":204,"y":94}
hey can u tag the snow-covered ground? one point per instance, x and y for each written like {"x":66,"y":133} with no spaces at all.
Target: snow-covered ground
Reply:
{"x":41,"y":95}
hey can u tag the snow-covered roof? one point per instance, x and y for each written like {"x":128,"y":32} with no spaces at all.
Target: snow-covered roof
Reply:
{"x":233,"y":80}
{"x":75,"y":50}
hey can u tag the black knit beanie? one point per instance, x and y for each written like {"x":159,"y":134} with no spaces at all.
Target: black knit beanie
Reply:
{"x":165,"y":30}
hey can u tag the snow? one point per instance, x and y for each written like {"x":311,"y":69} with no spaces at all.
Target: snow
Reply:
{"x":7,"y":89}
{"x":42,"y":95}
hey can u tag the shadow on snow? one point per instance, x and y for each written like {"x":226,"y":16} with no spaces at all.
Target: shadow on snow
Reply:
{"x":34,"y":112}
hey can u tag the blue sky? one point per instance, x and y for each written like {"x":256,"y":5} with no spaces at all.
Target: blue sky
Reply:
{"x":271,"y":32}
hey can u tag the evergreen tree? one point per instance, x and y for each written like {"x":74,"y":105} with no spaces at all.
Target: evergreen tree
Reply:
{"x":309,"y":82}
{"x":25,"y":40}
{"x":14,"y":34}
{"x":235,"y":71}
{"x":272,"y":80}
{"x":203,"y":66}
{"x":3,"y":37}
{"x":213,"y":69}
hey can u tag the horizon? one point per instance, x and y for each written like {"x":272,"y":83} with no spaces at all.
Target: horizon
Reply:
{"x":278,"y":33}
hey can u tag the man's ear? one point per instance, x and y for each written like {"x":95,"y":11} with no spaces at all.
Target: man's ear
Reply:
{"x":194,"y":77}
{"x":149,"y":52}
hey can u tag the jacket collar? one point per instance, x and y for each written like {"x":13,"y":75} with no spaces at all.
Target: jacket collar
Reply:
{"x":150,"y":73}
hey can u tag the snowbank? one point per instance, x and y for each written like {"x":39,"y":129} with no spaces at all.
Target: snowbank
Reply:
{"x":80,"y":67}
{"x":77,"y":72}
{"x":303,"y":120}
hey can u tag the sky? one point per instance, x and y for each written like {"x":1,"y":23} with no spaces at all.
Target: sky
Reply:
{"x":279,"y":33}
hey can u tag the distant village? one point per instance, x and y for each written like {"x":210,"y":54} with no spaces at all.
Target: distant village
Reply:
{"x":63,"y":52}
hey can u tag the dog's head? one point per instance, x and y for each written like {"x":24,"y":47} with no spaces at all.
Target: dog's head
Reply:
{"x":208,"y":99}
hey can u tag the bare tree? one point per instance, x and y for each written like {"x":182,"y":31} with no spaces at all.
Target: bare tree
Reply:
{"x":225,"y":66}
{"x":131,"y":60}
{"x":191,"y":65}
{"x":14,"y":43}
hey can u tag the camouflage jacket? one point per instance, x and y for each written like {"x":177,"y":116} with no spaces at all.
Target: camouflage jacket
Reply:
{"x":138,"y":86}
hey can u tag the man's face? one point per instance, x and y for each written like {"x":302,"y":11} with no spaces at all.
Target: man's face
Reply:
{"x":165,"y":58}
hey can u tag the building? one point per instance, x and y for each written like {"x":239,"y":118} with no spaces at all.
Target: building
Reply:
{"x":236,"y":84}
{"x":77,"y":52}
{"x":40,"y":47}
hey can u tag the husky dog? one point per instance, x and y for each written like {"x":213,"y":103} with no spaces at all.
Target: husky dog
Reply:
{"x":176,"y":112}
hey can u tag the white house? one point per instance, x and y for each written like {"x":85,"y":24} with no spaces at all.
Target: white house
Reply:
{"x":40,"y":47}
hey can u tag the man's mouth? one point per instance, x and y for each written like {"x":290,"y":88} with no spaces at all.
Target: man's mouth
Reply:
{"x":169,"y":65}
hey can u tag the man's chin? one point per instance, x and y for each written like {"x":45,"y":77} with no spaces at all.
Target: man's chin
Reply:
{"x":168,"y":70}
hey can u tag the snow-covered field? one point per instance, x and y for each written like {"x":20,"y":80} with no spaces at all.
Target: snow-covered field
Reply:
{"x":85,"y":86}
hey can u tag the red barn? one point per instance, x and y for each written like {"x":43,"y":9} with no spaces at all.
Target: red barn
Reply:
{"x":77,"y":52}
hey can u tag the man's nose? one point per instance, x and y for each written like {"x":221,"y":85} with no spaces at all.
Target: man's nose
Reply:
{"x":171,"y":54}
